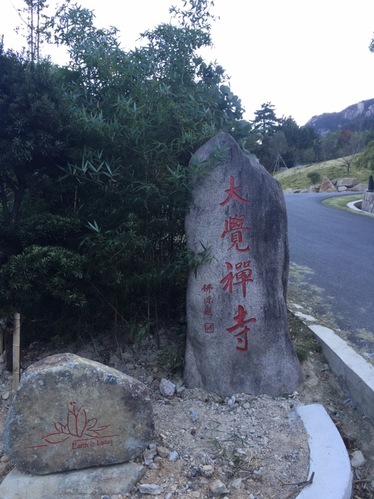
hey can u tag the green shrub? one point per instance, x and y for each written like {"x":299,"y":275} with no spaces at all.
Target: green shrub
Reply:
{"x":314,"y":177}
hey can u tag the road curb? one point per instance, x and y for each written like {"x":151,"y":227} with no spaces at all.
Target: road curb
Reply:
{"x":326,"y":445}
{"x":329,"y":461}
{"x":356,"y":374}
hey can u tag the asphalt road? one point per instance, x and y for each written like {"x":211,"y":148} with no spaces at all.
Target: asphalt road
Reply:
{"x":332,"y":267}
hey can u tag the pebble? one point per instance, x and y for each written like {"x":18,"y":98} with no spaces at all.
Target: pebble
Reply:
{"x":150,"y":488}
{"x":167,"y":388}
{"x":218,"y":487}
{"x":230,"y":401}
{"x":357,"y":459}
{"x":173,"y":456}
{"x":194,"y":415}
{"x":237,"y":484}
{"x":163,"y":451}
{"x":207,"y":470}
{"x":149,"y":455}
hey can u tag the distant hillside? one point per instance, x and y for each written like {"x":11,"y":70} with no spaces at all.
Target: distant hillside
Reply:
{"x":358,"y":116}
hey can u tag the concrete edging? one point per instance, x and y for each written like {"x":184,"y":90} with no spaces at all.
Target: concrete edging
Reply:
{"x":329,"y":460}
{"x":352,"y":206}
{"x":353,"y":370}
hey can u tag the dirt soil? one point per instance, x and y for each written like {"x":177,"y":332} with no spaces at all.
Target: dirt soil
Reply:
{"x":241,"y":447}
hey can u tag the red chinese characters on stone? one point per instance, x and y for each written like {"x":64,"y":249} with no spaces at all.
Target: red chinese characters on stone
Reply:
{"x":208,"y":301}
{"x":241,"y":277}
{"x":234,"y":226}
{"x":242,"y":329}
{"x":239,"y":274}
{"x":232,"y":192}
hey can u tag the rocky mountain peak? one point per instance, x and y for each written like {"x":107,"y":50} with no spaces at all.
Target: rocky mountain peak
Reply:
{"x":359,"y":116}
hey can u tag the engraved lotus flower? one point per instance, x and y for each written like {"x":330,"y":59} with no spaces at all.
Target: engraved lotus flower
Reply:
{"x":77,"y":425}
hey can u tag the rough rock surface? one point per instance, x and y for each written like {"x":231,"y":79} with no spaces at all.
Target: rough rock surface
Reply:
{"x":81,"y":484}
{"x":237,"y":334}
{"x":327,"y":185}
{"x":347,"y":182}
{"x":71,"y":413}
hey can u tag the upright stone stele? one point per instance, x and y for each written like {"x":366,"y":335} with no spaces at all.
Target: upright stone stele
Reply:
{"x":237,"y":330}
{"x":71,"y":413}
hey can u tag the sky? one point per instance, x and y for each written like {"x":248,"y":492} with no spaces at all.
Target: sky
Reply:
{"x":305,"y":57}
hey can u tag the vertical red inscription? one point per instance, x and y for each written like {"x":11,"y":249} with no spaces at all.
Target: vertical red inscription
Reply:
{"x":239,"y":274}
{"x":240,"y":278}
{"x":234,"y":226}
{"x":232,"y":192}
{"x":241,"y":324}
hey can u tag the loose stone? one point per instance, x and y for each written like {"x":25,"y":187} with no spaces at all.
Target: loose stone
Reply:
{"x":167,"y":388}
{"x":207,"y":470}
{"x":150,"y":488}
{"x":163,"y":451}
{"x":218,"y":487}
{"x":358,"y":459}
{"x":173,"y":456}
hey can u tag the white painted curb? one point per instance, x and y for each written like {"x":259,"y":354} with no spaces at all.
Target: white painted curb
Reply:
{"x":352,"y":369}
{"x":329,"y":460}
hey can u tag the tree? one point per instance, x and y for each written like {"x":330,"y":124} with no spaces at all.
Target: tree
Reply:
{"x":36,"y":129}
{"x":352,"y":143}
{"x":32,"y":16}
{"x":266,"y":123}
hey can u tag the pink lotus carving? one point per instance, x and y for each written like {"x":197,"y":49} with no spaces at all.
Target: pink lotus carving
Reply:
{"x":77,"y":425}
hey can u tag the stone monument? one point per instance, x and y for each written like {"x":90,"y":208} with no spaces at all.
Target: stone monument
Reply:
{"x":237,"y":331}
{"x":71,"y":413}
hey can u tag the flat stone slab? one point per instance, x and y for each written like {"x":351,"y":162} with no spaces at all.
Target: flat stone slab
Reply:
{"x":71,"y":413}
{"x":90,"y":483}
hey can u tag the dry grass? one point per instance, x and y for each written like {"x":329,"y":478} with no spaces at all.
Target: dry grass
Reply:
{"x":297,"y":177}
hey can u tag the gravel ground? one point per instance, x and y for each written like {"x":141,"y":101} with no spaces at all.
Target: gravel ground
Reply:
{"x":206,"y":446}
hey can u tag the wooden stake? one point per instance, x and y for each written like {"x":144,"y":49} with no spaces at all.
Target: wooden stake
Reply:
{"x":16,"y":351}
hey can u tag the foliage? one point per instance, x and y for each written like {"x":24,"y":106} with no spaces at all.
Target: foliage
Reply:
{"x":366,"y":158}
{"x":265,"y":123}
{"x":33,"y":18}
{"x":315,"y":177}
{"x":45,"y":284}
{"x":280,"y":142}
{"x":98,"y":236}
{"x":36,"y":129}
{"x":343,"y":143}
